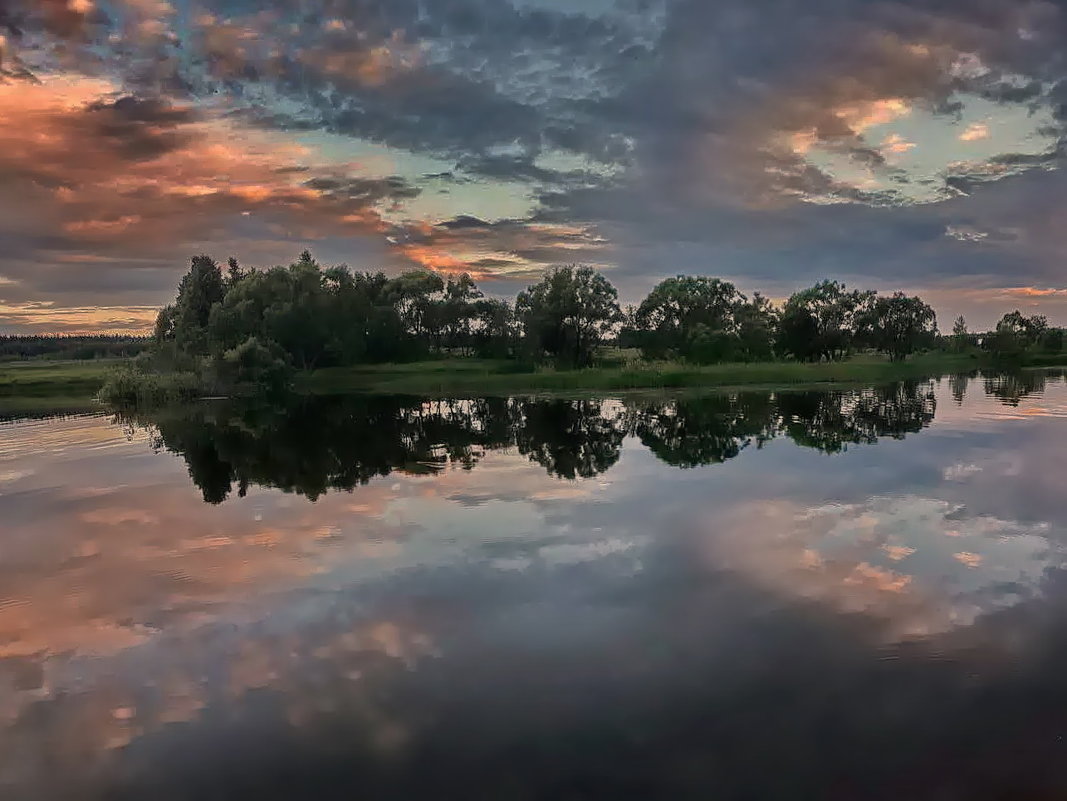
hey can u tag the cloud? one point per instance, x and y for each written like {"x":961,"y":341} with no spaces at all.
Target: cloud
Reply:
{"x":895,"y":143}
{"x":91,"y":176}
{"x":776,"y":147}
{"x":503,"y":250}
{"x":837,"y":555}
{"x":974,"y":132}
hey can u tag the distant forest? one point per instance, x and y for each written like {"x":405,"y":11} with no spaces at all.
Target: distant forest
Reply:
{"x":72,"y":347}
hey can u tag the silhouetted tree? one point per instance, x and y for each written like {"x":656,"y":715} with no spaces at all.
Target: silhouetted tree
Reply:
{"x":494,"y":334}
{"x":821,"y":322}
{"x":897,"y":325}
{"x":961,"y":337}
{"x":568,"y":313}
{"x":459,"y":311}
{"x":186,"y":323}
{"x":691,"y":317}
{"x":1015,"y":333}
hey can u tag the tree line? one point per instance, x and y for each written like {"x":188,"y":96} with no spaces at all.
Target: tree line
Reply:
{"x":71,"y":346}
{"x":1014,"y":335}
{"x":256,"y":326}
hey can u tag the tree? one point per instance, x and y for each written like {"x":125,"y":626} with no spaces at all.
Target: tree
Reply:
{"x":252,"y":367}
{"x":899,"y":325}
{"x":568,"y":313}
{"x":494,"y":333}
{"x":693,"y":317}
{"x":822,"y":322}
{"x":757,"y":329}
{"x":234,"y":272}
{"x":459,"y":310}
{"x":413,"y":293}
{"x":1015,"y":333}
{"x":1052,"y":340}
{"x":186,"y":322}
{"x":960,"y":336}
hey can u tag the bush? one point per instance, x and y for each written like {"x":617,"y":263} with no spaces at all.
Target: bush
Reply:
{"x":129,"y":387}
{"x":251,"y":368}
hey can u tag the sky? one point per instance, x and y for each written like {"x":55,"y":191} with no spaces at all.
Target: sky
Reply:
{"x":898,"y":145}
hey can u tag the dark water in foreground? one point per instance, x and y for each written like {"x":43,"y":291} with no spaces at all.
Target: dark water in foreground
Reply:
{"x":802,"y":596}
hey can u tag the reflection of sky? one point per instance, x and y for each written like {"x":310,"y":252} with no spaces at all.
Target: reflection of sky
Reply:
{"x":128,"y":607}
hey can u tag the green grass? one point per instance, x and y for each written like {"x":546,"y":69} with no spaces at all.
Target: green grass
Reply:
{"x":38,"y":385}
{"x":499,"y":377}
{"x":35,"y":379}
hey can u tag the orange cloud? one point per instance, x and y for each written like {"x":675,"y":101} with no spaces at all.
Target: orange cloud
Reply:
{"x":370,"y":67}
{"x":506,"y":249}
{"x":1033,"y":292}
{"x":46,"y":317}
{"x":150,"y":174}
{"x":111,"y":180}
{"x":967,"y":558}
{"x":895,"y":143}
{"x":869,"y":113}
{"x":974,"y":132}
{"x":235,"y":46}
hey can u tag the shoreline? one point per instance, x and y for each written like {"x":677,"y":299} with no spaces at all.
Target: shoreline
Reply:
{"x":24,"y":385}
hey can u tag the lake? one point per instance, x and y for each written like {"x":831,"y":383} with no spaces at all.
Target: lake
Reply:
{"x":815,"y":594}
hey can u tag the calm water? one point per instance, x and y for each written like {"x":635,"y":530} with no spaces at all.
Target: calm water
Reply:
{"x":806,"y":595}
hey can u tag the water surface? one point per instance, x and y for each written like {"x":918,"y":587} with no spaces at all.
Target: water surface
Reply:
{"x":850,"y":594}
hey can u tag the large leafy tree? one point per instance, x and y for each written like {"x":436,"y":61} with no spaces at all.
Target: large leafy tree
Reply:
{"x":757,"y":329}
{"x":694,"y":317}
{"x":822,"y":322}
{"x":568,"y":313}
{"x":1016,"y":332}
{"x":185,"y":323}
{"x":494,"y":328}
{"x":416,"y":295}
{"x":899,"y":325}
{"x":459,"y":310}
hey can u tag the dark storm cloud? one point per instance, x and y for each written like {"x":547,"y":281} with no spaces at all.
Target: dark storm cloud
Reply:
{"x":453,"y":78}
{"x":365,"y":190}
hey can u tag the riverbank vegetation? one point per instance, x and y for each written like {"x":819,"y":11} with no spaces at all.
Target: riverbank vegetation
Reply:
{"x":241,"y":332}
{"x":621,"y":374}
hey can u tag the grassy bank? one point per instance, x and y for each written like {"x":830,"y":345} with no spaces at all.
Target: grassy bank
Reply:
{"x":477,"y":376}
{"x":29,"y":385}
{"x":54,"y":379}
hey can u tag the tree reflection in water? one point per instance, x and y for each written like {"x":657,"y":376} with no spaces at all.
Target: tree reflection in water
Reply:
{"x":311,"y":444}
